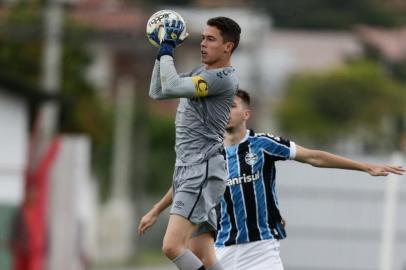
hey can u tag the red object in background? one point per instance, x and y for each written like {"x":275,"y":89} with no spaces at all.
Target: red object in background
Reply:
{"x":30,"y":243}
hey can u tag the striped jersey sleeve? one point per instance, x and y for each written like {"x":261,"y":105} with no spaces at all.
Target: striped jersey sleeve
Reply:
{"x":278,"y":147}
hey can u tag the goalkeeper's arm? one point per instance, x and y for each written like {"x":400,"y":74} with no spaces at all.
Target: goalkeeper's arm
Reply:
{"x":155,"y":89}
{"x":150,"y":218}
{"x":172,"y":85}
{"x":175,"y":86}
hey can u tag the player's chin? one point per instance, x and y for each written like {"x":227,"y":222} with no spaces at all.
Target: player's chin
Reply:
{"x":229,"y":128}
{"x":205,"y":59}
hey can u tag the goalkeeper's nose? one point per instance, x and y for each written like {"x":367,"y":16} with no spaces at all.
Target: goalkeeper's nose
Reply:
{"x":203,"y":43}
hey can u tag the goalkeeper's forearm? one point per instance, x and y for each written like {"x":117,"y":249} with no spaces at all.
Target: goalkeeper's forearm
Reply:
{"x":174,"y":86}
{"x":164,"y":202}
{"x":155,"y":89}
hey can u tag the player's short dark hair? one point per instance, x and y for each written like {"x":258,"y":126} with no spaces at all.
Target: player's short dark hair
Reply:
{"x":229,"y":29}
{"x":245,"y":97}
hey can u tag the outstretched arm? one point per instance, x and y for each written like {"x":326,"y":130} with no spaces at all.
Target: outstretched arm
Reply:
{"x":150,"y":218}
{"x":327,"y":160}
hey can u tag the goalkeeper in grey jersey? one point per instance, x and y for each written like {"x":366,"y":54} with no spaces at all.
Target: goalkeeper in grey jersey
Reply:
{"x":206,"y":94}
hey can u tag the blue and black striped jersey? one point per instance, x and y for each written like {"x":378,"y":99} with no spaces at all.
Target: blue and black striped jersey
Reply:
{"x":249,"y":209}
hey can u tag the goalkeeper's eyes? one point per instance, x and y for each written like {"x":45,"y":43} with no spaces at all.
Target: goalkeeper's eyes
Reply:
{"x":208,"y":38}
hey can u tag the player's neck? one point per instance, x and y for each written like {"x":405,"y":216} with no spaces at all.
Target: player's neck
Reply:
{"x":235,"y":136}
{"x":219,"y":64}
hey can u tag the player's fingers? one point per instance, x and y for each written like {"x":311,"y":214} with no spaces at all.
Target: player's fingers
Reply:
{"x":142,"y":227}
{"x":140,"y":230}
{"x":400,"y":169}
{"x":395,"y":169}
{"x":397,"y":172}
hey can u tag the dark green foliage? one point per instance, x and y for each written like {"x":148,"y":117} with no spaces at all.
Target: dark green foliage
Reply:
{"x":20,"y":48}
{"x":161,"y":155}
{"x":330,"y":14}
{"x":325,"y":107}
{"x":399,"y":71}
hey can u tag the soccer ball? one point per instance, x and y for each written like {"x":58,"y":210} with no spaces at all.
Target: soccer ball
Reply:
{"x":155,"y":25}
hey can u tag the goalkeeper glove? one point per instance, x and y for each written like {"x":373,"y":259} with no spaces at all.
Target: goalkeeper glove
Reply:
{"x":172,"y":38}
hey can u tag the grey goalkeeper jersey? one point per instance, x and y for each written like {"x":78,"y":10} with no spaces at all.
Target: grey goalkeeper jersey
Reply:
{"x":203,"y":110}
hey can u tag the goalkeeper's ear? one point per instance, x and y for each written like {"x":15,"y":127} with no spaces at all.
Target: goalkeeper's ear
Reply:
{"x":229,"y":46}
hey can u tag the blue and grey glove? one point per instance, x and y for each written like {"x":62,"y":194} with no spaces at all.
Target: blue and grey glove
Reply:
{"x":172,"y":38}
{"x":154,"y":36}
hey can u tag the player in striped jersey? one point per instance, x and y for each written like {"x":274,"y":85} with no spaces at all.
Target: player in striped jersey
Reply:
{"x":250,"y":221}
{"x":250,"y":224}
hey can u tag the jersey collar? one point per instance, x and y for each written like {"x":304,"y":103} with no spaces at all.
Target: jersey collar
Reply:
{"x":247,"y":134}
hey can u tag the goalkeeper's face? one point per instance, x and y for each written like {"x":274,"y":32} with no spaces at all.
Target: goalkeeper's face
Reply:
{"x":239,"y":114}
{"x":214,"y":51}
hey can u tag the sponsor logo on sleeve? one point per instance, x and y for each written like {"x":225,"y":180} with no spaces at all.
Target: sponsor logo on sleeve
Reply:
{"x":201,"y":86}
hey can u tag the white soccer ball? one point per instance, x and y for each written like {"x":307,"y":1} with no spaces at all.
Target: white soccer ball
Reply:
{"x":156,"y":25}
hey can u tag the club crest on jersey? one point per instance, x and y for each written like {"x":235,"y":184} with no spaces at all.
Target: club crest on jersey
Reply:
{"x":251,"y":158}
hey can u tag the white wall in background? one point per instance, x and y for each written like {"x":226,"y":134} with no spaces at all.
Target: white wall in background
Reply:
{"x":13,"y":147}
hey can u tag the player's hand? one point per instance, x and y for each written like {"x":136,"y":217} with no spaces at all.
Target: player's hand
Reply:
{"x":173,"y":32}
{"x":378,"y":170}
{"x":155,"y":35}
{"x":147,"y":221}
{"x":172,"y":38}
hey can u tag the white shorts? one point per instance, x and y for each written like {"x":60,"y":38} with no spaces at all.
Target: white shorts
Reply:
{"x":258,"y":255}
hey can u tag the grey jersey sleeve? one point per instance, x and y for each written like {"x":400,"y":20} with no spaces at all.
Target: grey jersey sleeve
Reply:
{"x":155,"y":89}
{"x":175,"y":86}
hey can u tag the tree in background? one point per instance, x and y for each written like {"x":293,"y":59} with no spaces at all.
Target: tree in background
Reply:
{"x":83,"y":111}
{"x":331,"y":14}
{"x":358,"y":99}
{"x":161,"y":154}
